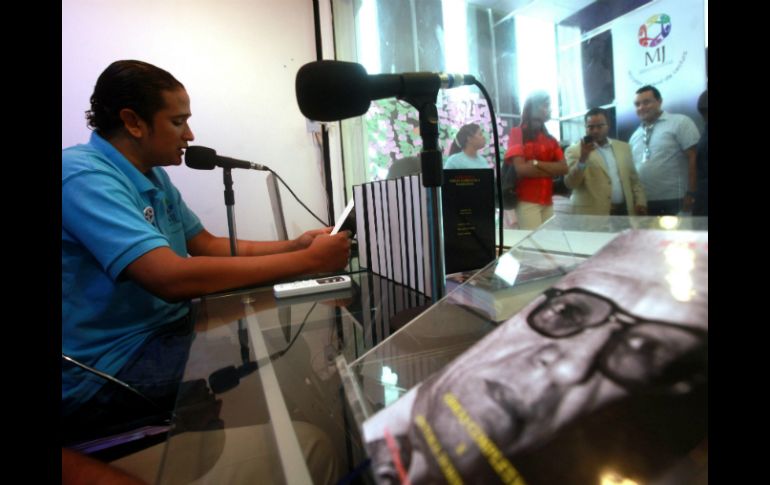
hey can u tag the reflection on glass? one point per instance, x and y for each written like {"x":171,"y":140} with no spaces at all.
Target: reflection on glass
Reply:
{"x":669,"y":222}
{"x":681,"y":260}
{"x":612,"y":478}
{"x":537,"y":62}
{"x":368,"y":37}
{"x":507,"y":268}
{"x":455,"y":39}
{"x":389,"y":379}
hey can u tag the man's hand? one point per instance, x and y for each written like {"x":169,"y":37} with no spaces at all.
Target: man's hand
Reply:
{"x":331,"y":253}
{"x":307,"y":237}
{"x":585,"y":150}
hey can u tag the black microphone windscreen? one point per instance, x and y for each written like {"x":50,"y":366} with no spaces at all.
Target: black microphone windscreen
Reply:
{"x":332,"y":90}
{"x":200,"y":158}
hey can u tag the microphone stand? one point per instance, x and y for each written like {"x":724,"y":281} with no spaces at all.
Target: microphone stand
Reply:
{"x":432,"y":179}
{"x":230,"y":203}
{"x":227,"y":177}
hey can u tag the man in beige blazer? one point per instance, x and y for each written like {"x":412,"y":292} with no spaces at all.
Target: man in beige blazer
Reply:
{"x":601,"y":173}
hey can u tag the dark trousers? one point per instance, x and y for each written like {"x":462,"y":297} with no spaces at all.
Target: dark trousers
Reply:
{"x":156,"y":371}
{"x":669,"y":207}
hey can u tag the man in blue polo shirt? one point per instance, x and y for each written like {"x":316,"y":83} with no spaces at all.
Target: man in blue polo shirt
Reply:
{"x":134,"y":254}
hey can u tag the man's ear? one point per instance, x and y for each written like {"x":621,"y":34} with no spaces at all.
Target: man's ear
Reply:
{"x":133,"y":123}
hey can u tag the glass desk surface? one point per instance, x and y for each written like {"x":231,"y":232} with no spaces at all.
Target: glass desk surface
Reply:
{"x":261,"y":390}
{"x":276,"y":391}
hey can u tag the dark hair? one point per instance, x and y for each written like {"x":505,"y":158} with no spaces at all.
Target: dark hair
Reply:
{"x":536,"y":99}
{"x":703,"y":103}
{"x":135,"y":85}
{"x":461,"y":139}
{"x":654,"y":90}
{"x":596,"y":112}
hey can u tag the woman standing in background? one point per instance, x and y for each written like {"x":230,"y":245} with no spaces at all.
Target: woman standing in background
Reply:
{"x":538,"y":158}
{"x":465,"y":148}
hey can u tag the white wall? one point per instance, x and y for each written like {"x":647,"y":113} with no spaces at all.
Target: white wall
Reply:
{"x":238,"y":60}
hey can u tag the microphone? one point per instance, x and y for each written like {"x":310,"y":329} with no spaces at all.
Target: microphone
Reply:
{"x":203,"y":158}
{"x":336,"y":90}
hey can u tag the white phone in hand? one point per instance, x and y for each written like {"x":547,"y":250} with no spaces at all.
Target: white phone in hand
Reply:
{"x":343,"y":217}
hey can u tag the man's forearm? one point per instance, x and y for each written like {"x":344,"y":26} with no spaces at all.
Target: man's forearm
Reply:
{"x":263,"y":248}
{"x":172,"y":278}
{"x":204,"y":275}
{"x":208,"y":245}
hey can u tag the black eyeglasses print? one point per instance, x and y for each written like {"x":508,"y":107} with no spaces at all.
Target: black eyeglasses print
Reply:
{"x":638,"y":354}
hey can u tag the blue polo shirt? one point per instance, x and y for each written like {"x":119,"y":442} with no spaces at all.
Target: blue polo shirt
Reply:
{"x":111,"y":215}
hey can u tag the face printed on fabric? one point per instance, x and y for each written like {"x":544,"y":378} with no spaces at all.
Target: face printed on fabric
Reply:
{"x":637,"y":351}
{"x":169,"y":133}
{"x":574,"y":351}
{"x":554,"y":378}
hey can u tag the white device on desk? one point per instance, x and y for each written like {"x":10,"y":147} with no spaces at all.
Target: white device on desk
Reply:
{"x":343,"y":217}
{"x":307,"y":287}
{"x":344,"y":294}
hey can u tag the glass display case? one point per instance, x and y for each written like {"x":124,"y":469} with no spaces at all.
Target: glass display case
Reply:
{"x":404,"y":392}
{"x":473,"y":308}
